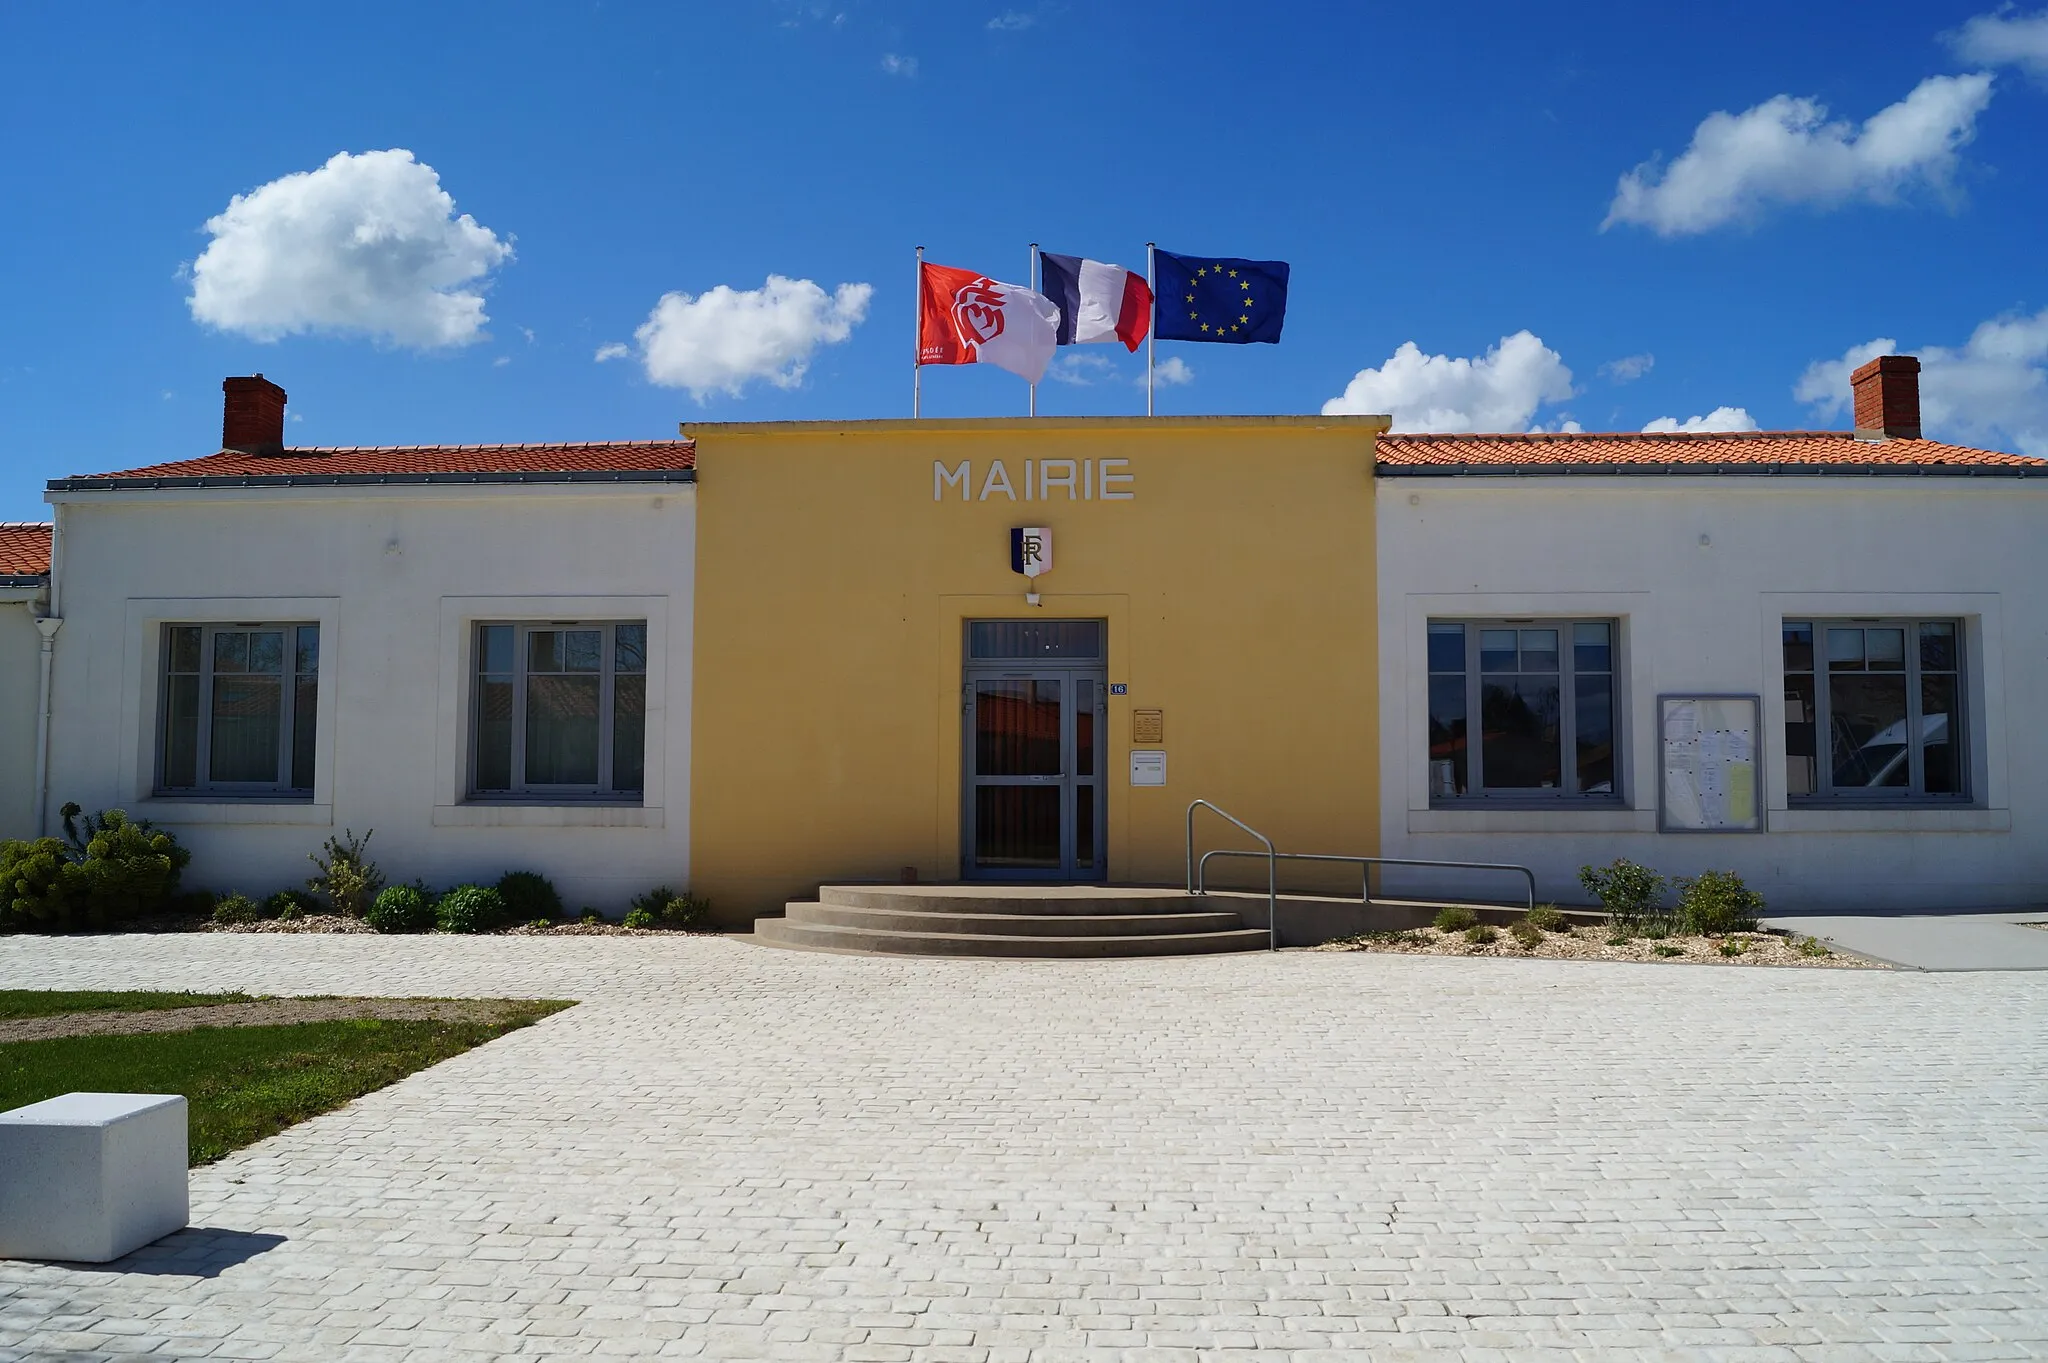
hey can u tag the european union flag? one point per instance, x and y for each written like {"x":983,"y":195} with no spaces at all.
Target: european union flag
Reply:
{"x":1216,"y":298}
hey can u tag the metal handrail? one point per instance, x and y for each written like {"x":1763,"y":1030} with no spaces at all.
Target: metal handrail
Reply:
{"x":1272,"y":867}
{"x":1199,"y":875}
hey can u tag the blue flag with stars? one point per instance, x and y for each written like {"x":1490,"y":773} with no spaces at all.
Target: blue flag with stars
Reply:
{"x":1216,"y":298}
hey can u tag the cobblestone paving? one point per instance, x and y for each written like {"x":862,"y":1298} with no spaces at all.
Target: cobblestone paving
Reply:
{"x":737,"y":1153}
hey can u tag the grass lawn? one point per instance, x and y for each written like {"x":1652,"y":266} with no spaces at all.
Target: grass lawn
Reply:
{"x":42,"y":1003}
{"x":245,"y":1083}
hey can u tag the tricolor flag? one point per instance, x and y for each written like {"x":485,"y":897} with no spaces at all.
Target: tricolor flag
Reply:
{"x":1097,"y":302}
{"x":968,"y":318}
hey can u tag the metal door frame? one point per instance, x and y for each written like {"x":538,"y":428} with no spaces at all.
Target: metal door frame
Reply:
{"x":1067,"y":673}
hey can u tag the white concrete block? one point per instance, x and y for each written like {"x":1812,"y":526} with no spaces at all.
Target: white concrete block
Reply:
{"x":90,"y":1176}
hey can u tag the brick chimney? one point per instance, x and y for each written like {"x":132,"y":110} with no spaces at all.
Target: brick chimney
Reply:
{"x":1887,"y":398}
{"x":252,"y":416}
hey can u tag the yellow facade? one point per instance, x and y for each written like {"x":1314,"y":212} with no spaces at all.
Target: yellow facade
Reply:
{"x":838,"y":563}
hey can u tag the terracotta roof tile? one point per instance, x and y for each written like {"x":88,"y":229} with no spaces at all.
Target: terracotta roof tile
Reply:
{"x":1779,"y":449}
{"x":24,"y":548}
{"x":592,"y":457}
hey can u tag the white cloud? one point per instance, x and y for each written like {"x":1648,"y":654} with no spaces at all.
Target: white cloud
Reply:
{"x":1080,"y":368}
{"x":613,"y":350}
{"x":895,"y":65}
{"x":1012,"y":21}
{"x":1497,"y":391}
{"x":1170,"y":371}
{"x":1992,"y":391}
{"x":1784,"y":151}
{"x":726,"y":338}
{"x":366,"y":245}
{"x":1628,"y":368}
{"x":2004,"y":39}
{"x":1720,"y":419}
{"x":1563,"y":426}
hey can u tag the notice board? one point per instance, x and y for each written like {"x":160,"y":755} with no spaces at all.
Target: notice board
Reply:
{"x":1711,"y":776}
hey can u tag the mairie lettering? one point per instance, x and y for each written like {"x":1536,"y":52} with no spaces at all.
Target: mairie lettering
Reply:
{"x":1081,"y":480}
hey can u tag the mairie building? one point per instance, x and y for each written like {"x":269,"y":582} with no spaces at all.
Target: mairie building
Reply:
{"x":764,"y":657}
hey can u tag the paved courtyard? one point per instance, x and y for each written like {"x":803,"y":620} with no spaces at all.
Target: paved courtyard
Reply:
{"x":734,"y":1153}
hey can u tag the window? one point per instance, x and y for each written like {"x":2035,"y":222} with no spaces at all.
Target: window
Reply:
{"x":240,"y":703}
{"x":1544,"y":694}
{"x":1874,"y":710}
{"x":561,"y":710}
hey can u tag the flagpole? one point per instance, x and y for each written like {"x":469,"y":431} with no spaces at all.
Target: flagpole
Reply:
{"x":917,"y":341}
{"x":1033,"y":277}
{"x":1151,"y":332}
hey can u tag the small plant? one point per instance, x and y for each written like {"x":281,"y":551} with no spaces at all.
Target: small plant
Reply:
{"x":591,"y":918}
{"x":1527,"y":935}
{"x":1627,"y":891}
{"x":232,"y":909}
{"x":1663,"y":950}
{"x":469,"y":908}
{"x":348,"y":880}
{"x":1656,"y":929}
{"x":402,"y":908}
{"x":1812,"y":947}
{"x":1546,"y":918}
{"x":1619,"y":939}
{"x":1479,"y":935}
{"x":1714,"y":902}
{"x":669,"y":909}
{"x":541,"y":923}
{"x":1734,"y":946}
{"x":529,"y":896}
{"x":639,"y":918}
{"x":1457,"y":918}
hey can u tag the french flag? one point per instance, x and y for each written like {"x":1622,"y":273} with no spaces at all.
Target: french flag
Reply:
{"x":1097,"y":302}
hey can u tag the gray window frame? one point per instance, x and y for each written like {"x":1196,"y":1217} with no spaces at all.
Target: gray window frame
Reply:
{"x":203,"y":782}
{"x":1825,"y":793}
{"x":1476,"y":791}
{"x":521,"y":790}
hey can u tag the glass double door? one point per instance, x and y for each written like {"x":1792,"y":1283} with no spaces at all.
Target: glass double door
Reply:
{"x":1033,"y":756}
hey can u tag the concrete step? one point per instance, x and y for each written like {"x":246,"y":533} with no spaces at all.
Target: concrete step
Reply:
{"x":1033,"y":900}
{"x":869,"y":941}
{"x":970,"y":920}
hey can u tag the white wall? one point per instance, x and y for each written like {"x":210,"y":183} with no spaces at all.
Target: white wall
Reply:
{"x":395,"y":577}
{"x":19,"y":646}
{"x":1703,"y":615}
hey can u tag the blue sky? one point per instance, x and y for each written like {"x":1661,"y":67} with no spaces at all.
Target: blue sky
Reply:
{"x":1446,"y":177}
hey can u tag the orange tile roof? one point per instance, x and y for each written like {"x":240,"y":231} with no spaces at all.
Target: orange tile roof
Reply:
{"x":1635,"y":451}
{"x":413,"y":463}
{"x":24,"y":549}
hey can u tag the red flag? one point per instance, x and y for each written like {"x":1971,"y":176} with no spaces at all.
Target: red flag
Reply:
{"x":967,"y":318}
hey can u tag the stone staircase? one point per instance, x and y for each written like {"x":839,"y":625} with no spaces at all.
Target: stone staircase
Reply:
{"x":1055,"y":921}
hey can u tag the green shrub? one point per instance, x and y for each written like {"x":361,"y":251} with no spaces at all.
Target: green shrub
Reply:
{"x":1455,"y":919}
{"x":1546,"y":918}
{"x":639,"y":918}
{"x":106,"y":868}
{"x":1527,"y":935}
{"x":402,"y":908}
{"x":289,"y":905}
{"x":232,"y":909}
{"x":669,"y":909}
{"x":529,"y":896}
{"x":1734,"y":946}
{"x":347,"y":880}
{"x":469,"y":908}
{"x":1627,"y":891}
{"x":34,"y":891}
{"x":1714,"y":902}
{"x":1619,"y":939}
{"x":1812,"y":946}
{"x":1670,"y":951}
{"x":1479,"y":935}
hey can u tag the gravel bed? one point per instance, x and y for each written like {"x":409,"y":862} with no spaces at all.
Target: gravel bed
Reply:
{"x":1590,"y":944}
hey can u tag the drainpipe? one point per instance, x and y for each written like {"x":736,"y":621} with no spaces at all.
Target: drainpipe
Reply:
{"x":47,"y":626}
